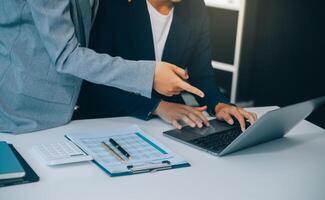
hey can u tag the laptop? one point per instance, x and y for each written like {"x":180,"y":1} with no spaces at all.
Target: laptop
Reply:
{"x":221,"y":139}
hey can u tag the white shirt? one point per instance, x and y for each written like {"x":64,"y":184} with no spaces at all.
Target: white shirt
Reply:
{"x":160,"y":25}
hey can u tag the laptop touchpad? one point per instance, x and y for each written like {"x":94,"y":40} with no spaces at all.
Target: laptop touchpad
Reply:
{"x":187,"y":133}
{"x":215,"y":126}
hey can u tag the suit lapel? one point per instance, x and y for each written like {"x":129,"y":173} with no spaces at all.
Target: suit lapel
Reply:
{"x":140,"y":30}
{"x":86,"y":15}
{"x":94,"y":11}
{"x":177,"y":39}
{"x":81,"y":16}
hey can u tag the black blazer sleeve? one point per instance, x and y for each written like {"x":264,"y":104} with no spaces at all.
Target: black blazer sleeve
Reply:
{"x":200,"y":68}
{"x":133,"y":105}
{"x":145,"y":107}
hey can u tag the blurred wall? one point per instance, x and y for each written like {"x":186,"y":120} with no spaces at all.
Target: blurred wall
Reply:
{"x":283,"y":53}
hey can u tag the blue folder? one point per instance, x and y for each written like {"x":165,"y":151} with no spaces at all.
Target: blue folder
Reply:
{"x":30,"y":176}
{"x":10,"y":166}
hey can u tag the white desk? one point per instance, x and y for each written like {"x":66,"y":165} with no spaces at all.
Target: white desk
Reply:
{"x":289,"y":168}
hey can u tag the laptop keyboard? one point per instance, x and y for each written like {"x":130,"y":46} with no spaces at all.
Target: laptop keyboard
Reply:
{"x":216,"y":142}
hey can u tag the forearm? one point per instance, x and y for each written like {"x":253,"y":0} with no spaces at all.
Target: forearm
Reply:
{"x":133,"y":76}
{"x":212,"y":92}
{"x":57,"y":32}
{"x":146,"y":110}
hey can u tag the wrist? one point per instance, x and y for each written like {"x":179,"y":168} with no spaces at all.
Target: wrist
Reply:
{"x":157,"y":109}
{"x":219,"y":107}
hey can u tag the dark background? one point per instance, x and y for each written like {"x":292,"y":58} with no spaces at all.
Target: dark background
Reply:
{"x":282,"y":59}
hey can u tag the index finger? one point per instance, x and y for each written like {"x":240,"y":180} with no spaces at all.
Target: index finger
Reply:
{"x":189,"y":88}
{"x":199,"y":114}
{"x":248,"y":116}
{"x":240,"y":119}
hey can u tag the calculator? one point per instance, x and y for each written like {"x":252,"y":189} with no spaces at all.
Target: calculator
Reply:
{"x":59,"y":153}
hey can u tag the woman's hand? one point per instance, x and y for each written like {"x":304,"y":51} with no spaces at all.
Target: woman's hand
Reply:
{"x":174,"y":113}
{"x":169,"y":80}
{"x":227,"y":112}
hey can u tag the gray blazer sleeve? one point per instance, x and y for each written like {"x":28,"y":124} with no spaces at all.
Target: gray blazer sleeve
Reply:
{"x":57,"y":31}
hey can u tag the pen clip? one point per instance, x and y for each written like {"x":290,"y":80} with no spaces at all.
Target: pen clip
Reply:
{"x":150,"y":167}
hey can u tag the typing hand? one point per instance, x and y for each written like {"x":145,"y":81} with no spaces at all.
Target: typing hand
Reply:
{"x":169,"y":80}
{"x":174,"y":113}
{"x":227,"y":112}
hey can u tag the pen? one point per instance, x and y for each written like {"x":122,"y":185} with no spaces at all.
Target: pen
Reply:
{"x":109,"y":149}
{"x":116,"y":145}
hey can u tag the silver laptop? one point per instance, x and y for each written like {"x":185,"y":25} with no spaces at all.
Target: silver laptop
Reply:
{"x":220,"y":138}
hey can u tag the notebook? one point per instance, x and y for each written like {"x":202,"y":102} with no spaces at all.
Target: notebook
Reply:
{"x":147,"y":154}
{"x":30,"y":175}
{"x":10,"y":166}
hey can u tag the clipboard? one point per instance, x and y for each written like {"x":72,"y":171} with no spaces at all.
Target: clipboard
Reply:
{"x":148,"y":155}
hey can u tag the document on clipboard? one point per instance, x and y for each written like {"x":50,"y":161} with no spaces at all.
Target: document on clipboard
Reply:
{"x":127,"y":151}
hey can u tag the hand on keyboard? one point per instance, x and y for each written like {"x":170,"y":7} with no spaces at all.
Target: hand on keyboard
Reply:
{"x":231,"y":114}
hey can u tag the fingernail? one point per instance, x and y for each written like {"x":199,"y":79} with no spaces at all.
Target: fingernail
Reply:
{"x":230,"y":121}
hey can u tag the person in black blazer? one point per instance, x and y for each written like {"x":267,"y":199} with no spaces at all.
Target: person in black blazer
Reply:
{"x":123,"y":28}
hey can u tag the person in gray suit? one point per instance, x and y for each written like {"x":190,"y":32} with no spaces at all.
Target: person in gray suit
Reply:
{"x":44,"y":58}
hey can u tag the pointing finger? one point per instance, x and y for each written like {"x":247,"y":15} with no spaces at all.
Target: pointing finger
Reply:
{"x":189,"y":88}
